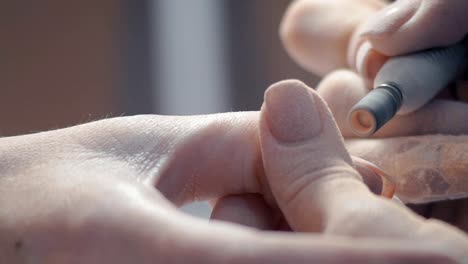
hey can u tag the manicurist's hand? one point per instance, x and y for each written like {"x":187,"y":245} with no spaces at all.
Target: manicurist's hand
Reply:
{"x":108,"y":192}
{"x":424,"y":153}
{"x":312,"y":178}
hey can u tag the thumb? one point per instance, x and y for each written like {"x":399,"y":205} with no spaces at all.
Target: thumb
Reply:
{"x":411,"y":25}
{"x":306,"y":164}
{"x":310,"y":175}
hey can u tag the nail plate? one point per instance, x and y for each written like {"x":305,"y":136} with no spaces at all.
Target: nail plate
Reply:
{"x":291,"y":111}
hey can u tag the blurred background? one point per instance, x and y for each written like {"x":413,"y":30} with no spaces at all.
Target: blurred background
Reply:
{"x":69,"y":62}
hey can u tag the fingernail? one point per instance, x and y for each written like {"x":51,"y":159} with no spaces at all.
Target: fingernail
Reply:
{"x":361,"y":58}
{"x":370,"y":174}
{"x":369,"y":61}
{"x":391,"y":18}
{"x":291,"y":112}
{"x":373,"y":180}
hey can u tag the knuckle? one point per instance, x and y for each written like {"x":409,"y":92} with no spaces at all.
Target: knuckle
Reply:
{"x":299,"y":178}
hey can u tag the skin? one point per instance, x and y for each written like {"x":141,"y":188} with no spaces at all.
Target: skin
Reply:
{"x":391,"y":30}
{"x":108,"y":192}
{"x":417,"y":159}
{"x":419,"y":181}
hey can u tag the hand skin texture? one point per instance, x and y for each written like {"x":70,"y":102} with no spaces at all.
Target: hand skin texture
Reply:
{"x":108,"y":191}
{"x":424,"y":152}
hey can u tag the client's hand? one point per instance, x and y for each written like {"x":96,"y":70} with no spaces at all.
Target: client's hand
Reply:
{"x":311,"y":176}
{"x":107,"y":191}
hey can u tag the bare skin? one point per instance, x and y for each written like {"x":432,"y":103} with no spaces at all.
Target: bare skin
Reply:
{"x":108,"y":191}
{"x":403,"y":141}
{"x":425,"y":168}
{"x":423,"y":152}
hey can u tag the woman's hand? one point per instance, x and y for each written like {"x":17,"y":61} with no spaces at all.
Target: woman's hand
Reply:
{"x":107,"y":192}
{"x":323,"y":36}
{"x":303,"y":149}
{"x":423,"y":152}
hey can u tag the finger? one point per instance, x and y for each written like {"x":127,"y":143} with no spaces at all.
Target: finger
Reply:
{"x":317,"y":33}
{"x":343,"y":89}
{"x":310,"y":172}
{"x":225,"y":243}
{"x":376,"y":180}
{"x":424,"y":168}
{"x":412,"y":25}
{"x":156,"y":231}
{"x":304,"y":157}
{"x":187,"y":158}
{"x":248,"y":210}
{"x":219,"y":156}
{"x":312,"y":179}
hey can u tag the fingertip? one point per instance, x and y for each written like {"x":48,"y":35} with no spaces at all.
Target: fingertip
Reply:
{"x":291,"y":107}
{"x":289,"y":28}
{"x":381,"y":28}
{"x":341,"y":90}
{"x":390,"y":19}
{"x":316,"y":33}
{"x":285,"y":86}
{"x":339,"y":82}
{"x":371,"y":179}
{"x":301,"y":146}
{"x":290,"y":112}
{"x":300,"y":37}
